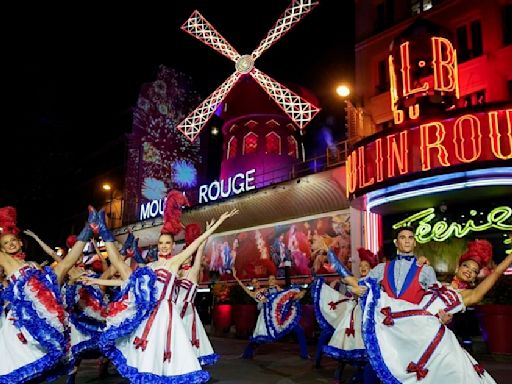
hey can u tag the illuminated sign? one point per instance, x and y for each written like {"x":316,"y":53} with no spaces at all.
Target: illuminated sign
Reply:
{"x":234,"y":185}
{"x":427,"y":229}
{"x":417,"y":77}
{"x":459,"y":140}
{"x":152,"y":209}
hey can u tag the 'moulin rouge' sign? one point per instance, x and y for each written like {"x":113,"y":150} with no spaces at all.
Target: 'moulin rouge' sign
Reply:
{"x":423,"y":71}
{"x":442,"y":144}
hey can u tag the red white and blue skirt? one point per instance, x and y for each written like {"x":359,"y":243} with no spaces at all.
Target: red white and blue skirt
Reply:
{"x":278,"y":316}
{"x":145,"y":337}
{"x":195,"y":330}
{"x":86,"y":313}
{"x":406,"y":343}
{"x":33,"y":334}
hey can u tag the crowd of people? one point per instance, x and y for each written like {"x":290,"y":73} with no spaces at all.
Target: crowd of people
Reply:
{"x":390,"y":321}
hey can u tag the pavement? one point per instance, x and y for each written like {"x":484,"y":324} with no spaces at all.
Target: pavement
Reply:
{"x":279,"y":363}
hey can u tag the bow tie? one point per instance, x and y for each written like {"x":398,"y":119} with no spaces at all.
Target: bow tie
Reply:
{"x":402,"y":257}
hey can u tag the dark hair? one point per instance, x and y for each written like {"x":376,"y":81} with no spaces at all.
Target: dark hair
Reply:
{"x":167,"y":234}
{"x":399,"y":230}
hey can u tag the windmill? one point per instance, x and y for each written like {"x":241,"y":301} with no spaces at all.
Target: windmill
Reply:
{"x":298,"y":110}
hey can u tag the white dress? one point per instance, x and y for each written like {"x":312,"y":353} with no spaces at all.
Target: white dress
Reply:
{"x":145,"y":337}
{"x":278,"y":316}
{"x":186,"y":293}
{"x":85,"y":307}
{"x":406,"y":343}
{"x":33,"y":335}
{"x":340,"y":314}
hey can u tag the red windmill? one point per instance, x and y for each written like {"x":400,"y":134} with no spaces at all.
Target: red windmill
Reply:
{"x":300,"y":111}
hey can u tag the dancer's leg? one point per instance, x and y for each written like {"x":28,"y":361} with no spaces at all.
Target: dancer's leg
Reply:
{"x":322,"y":340}
{"x":301,"y":337}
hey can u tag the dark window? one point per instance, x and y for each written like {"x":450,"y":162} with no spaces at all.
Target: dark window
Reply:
{"x":476,"y":39}
{"x":510,"y":89}
{"x":469,"y":41}
{"x":480,"y":97}
{"x":383,"y":83}
{"x":507,"y":25}
{"x":462,"y":44}
{"x":390,"y":11}
{"x":418,"y":6}
{"x":381,"y":16}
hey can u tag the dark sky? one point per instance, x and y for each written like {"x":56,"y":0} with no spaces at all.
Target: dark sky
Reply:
{"x":72,"y":75}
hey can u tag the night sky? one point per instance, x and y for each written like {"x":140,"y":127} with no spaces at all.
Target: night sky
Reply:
{"x":72,"y":76}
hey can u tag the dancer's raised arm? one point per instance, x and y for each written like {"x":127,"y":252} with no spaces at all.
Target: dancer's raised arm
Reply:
{"x":46,"y":248}
{"x":174,"y":263}
{"x":475,"y":295}
{"x":346,"y":275}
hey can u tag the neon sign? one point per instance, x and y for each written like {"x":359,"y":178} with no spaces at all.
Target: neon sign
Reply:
{"x":499,"y":218}
{"x":152,"y":209}
{"x":235,"y":185}
{"x":443,"y":76}
{"x":459,"y":140}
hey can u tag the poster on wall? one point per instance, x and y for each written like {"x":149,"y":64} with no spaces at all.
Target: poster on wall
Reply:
{"x":300,"y":245}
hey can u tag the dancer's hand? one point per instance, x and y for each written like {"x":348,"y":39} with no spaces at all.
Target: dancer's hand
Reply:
{"x":210,"y":223}
{"x":422,"y":260}
{"x":227,"y":215}
{"x":28,"y":232}
{"x":86,"y":280}
{"x":359,"y":290}
{"x":444,"y":317}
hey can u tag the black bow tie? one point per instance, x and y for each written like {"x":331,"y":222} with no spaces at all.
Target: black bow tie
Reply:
{"x":402,"y":257}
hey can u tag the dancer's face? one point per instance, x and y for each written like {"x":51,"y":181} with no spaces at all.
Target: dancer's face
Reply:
{"x":255,"y":283}
{"x":272,"y":281}
{"x":10,"y":244}
{"x":165,"y":244}
{"x":468,"y":271}
{"x":405,"y":242}
{"x":364,"y":268}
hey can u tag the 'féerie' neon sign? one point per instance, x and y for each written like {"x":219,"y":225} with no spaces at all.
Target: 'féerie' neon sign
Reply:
{"x":441,"y":230}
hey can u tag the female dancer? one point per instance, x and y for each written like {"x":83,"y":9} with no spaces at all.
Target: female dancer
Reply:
{"x":34,"y":335}
{"x":428,"y":350}
{"x":187,"y":289}
{"x":273,"y":323}
{"x":145,"y":336}
{"x":470,"y":263}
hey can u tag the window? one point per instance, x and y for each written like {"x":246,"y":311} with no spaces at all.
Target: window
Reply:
{"x":418,"y":6}
{"x":385,"y":12}
{"x":383,"y":77}
{"x":293,"y":148}
{"x":474,"y":99}
{"x":250,"y":143}
{"x":272,"y":144}
{"x":507,"y":25}
{"x":232,"y":147}
{"x":469,"y":41}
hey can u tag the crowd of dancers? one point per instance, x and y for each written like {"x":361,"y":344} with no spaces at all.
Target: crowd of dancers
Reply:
{"x":390,"y":322}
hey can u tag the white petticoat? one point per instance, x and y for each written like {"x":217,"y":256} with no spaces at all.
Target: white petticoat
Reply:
{"x":160,"y":352}
{"x":406,"y":343}
{"x":193,"y":324}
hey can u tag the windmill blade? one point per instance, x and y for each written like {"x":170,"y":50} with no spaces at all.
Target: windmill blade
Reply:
{"x":291,"y":16}
{"x":192,"y":125}
{"x":298,"y":109}
{"x":201,"y":29}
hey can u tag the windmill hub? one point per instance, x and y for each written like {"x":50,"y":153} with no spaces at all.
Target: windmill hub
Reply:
{"x":244,"y":64}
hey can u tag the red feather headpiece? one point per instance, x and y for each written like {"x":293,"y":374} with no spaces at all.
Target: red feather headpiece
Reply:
{"x":172,"y":212}
{"x":368,"y":256}
{"x":480,"y":251}
{"x":70,"y":241}
{"x":8,"y":221}
{"x":192,"y":232}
